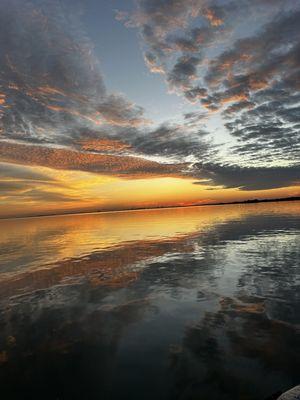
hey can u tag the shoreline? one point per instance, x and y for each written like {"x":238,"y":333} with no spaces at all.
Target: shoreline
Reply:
{"x":253,"y":201}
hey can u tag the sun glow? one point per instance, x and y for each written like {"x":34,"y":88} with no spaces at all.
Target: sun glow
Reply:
{"x":60,"y":191}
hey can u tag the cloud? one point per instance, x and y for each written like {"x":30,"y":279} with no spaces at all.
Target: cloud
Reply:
{"x":26,"y":184}
{"x":52,"y":94}
{"x":185,"y":45}
{"x":55,"y":110}
{"x":50,"y":80}
{"x":214,"y":16}
{"x":62,"y":158}
{"x":183,"y":72}
{"x":17,"y":172}
{"x":103,"y":145}
{"x":176,"y":141}
{"x":249,"y":178}
{"x":211,"y":53}
{"x":162,"y":15}
{"x":254,"y":54}
{"x":166,"y":30}
{"x":195,"y":94}
{"x":153,"y":63}
{"x":39,"y":195}
{"x":12,"y":187}
{"x":258,"y":71}
{"x":118,"y":111}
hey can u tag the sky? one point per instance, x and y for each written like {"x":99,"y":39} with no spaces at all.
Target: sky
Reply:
{"x":110,"y":105}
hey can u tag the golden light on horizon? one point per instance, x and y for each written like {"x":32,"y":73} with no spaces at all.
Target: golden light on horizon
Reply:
{"x":66,"y":191}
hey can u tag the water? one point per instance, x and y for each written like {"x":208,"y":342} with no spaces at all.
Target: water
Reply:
{"x":195,"y":303}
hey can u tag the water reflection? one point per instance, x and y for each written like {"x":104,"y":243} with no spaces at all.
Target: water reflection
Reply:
{"x":56,"y":238}
{"x":170,"y":304}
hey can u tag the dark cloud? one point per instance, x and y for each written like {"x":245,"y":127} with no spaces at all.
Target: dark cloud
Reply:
{"x":50,"y":80}
{"x":153,"y":63}
{"x":195,"y":94}
{"x":162,"y":15}
{"x":239,"y":106}
{"x":164,"y":27}
{"x":249,"y":178}
{"x":52,"y":93}
{"x":211,"y":52}
{"x":49,"y":38}
{"x":118,"y":111}
{"x":269,"y":129}
{"x":175,"y":141}
{"x":261,"y":68}
{"x":194,"y":120}
{"x":185,"y":44}
{"x":183,"y":72}
{"x":254,"y":54}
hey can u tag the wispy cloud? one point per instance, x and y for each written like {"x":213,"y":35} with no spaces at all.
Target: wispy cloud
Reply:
{"x":51,"y":83}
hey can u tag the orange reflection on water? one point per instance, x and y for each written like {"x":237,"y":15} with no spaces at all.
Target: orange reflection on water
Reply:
{"x":41,"y":252}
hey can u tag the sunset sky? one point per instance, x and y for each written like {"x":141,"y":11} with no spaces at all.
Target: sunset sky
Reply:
{"x":109,"y":105}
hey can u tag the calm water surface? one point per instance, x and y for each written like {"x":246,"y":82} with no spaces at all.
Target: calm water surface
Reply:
{"x":195,"y":303}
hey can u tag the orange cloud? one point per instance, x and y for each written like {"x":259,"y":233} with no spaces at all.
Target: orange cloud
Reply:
{"x":2,"y":99}
{"x":211,"y":16}
{"x":109,"y":145}
{"x":258,"y":84}
{"x":59,"y":158}
{"x":236,"y":98}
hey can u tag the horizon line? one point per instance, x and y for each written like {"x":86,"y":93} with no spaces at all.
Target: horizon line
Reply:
{"x":60,"y":214}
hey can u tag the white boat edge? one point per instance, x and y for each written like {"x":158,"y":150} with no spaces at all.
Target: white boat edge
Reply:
{"x":292,"y":394}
